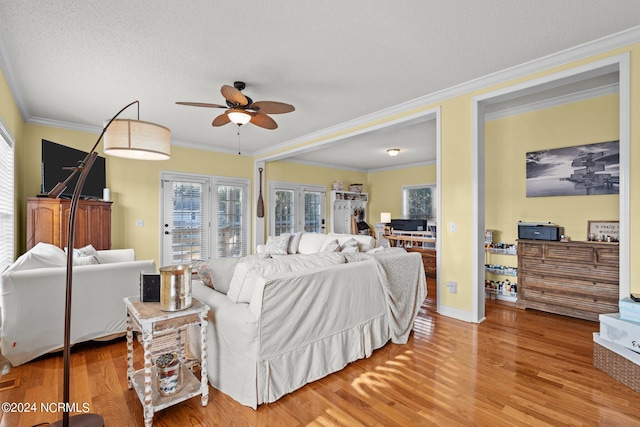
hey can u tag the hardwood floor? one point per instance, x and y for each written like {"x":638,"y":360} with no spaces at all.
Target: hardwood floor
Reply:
{"x":516,"y":368}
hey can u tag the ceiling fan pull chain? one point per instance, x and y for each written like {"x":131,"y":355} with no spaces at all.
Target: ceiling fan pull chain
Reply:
{"x":238,"y":140}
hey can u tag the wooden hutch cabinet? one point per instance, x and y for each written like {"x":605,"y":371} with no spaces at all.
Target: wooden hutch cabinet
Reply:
{"x":48,"y":221}
{"x":577,"y":279}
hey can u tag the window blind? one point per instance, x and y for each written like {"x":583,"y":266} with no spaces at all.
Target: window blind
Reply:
{"x":7,"y":200}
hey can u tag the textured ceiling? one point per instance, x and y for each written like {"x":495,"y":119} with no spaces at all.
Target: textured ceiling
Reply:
{"x":78,"y":62}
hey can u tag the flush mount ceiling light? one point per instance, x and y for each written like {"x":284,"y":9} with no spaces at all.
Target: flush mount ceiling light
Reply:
{"x":393,"y":152}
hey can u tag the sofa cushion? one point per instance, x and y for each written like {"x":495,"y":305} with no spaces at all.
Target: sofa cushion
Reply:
{"x":216,"y":273}
{"x":310,"y":243}
{"x":278,"y":245}
{"x":42,"y":255}
{"x":249,"y":269}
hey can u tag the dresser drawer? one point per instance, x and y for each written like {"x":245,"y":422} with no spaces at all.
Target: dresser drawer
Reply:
{"x":568,"y":252}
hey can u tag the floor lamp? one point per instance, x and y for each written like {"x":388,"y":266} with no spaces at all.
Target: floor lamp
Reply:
{"x":133,"y":139}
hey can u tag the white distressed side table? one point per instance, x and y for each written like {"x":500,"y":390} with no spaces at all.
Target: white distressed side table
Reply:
{"x":150,"y":321}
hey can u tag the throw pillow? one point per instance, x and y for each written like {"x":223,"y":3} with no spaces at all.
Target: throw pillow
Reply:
{"x":277,"y":245}
{"x":86,"y":255}
{"x":350,"y":250}
{"x":330,"y":245}
{"x":350,"y":246}
{"x":204,"y":274}
{"x":294,"y":242}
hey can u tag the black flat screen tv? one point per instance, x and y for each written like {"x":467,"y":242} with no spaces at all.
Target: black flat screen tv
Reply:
{"x":55,"y":157}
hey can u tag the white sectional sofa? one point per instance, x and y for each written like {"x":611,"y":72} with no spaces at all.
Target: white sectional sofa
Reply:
{"x":32,"y":292}
{"x":276,"y":324}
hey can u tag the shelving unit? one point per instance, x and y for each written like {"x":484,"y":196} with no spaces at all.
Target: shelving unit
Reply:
{"x":499,"y":282}
{"x":343,"y":206}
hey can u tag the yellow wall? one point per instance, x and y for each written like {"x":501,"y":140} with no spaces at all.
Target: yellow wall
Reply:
{"x":13,"y":121}
{"x":509,"y":139}
{"x":385,"y":189}
{"x":134,"y":184}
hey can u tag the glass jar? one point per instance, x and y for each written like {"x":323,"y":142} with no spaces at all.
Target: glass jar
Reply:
{"x":168,"y":374}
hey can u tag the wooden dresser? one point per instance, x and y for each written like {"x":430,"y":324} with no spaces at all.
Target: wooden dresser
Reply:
{"x":577,"y":279}
{"x":48,"y":221}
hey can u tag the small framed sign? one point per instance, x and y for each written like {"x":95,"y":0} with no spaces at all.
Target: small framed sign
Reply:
{"x":603,"y":231}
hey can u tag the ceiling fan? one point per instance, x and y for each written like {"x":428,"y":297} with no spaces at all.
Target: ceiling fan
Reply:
{"x":241,"y":109}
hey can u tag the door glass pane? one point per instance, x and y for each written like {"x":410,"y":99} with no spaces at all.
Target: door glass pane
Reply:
{"x":284,"y":212}
{"x":312,"y":212}
{"x":230,"y":228}
{"x":188,"y":238}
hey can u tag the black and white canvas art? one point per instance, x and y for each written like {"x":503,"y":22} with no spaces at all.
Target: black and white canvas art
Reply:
{"x":574,"y":171}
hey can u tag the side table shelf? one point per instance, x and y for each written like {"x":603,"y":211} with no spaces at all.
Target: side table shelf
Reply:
{"x":190,"y":388}
{"x":153,"y":323}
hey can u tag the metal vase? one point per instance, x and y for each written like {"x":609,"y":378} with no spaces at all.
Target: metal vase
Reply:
{"x":175,"y":287}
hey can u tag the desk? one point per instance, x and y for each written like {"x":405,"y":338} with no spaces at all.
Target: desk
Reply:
{"x":417,"y":245}
{"x":395,"y":238}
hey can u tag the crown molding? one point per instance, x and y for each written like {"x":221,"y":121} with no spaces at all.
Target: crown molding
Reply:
{"x":331,"y":166}
{"x":64,"y":125}
{"x":368,"y":122}
{"x":97,"y":130}
{"x":554,"y":102}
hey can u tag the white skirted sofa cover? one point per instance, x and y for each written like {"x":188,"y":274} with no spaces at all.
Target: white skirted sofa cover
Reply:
{"x":301,"y":317}
{"x":32,"y":292}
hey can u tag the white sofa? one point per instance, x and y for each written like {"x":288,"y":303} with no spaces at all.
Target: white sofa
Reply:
{"x":311,"y":243}
{"x":301,"y":317}
{"x":32,"y":292}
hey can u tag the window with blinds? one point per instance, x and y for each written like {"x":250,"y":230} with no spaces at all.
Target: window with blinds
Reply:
{"x":7,"y":200}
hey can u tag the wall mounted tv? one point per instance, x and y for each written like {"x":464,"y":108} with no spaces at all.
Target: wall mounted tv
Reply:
{"x":55,"y":157}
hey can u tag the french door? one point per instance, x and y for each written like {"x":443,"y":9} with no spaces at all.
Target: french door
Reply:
{"x":186,"y":225}
{"x":204,"y":217}
{"x":296,"y":207}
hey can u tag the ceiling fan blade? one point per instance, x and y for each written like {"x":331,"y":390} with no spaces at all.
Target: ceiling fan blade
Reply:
{"x":202,"y":104}
{"x":264,"y":121}
{"x":233,"y":95}
{"x":272,"y":107}
{"x":221,"y":120}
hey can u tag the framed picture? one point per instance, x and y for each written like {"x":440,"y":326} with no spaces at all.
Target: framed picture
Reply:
{"x":603,"y":231}
{"x":582,"y":170}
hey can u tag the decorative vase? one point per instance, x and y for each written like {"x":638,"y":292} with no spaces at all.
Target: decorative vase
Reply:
{"x":175,"y":287}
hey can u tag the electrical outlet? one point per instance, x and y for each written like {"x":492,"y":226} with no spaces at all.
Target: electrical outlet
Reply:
{"x":139,"y":223}
{"x":452,"y":226}
{"x":453,"y":287}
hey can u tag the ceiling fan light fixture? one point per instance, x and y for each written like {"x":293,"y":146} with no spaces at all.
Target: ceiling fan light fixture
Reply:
{"x":239,"y":117}
{"x":393,"y":152}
